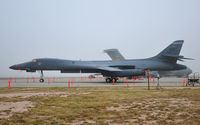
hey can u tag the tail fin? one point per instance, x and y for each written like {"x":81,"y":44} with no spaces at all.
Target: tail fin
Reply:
{"x":171,"y":53}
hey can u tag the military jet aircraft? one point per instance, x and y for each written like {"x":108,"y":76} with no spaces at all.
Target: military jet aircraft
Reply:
{"x":112,"y":69}
{"x":114,"y":54}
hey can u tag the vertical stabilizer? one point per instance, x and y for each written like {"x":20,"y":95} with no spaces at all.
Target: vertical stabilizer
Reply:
{"x":171,"y":53}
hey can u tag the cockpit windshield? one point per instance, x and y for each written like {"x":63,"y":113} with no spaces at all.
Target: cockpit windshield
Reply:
{"x":33,"y":60}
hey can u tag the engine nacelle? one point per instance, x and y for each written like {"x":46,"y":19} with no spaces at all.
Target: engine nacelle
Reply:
{"x":127,"y":73}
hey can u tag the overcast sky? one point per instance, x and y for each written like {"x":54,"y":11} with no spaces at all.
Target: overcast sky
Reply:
{"x":82,"y":29}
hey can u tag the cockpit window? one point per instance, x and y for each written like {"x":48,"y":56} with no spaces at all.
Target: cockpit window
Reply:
{"x":34,"y":60}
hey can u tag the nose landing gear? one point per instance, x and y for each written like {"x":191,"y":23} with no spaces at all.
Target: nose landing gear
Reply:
{"x":41,"y":80}
{"x":41,"y":77}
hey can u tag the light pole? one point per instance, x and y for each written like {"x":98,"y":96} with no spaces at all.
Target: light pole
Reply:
{"x":148,"y":79}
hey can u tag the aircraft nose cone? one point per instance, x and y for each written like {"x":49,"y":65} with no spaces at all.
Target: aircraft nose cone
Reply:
{"x":13,"y":67}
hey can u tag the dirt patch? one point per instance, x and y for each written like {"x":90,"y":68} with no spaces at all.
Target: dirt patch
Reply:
{"x":27,"y":95}
{"x":76,"y":122}
{"x":173,"y":102}
{"x":118,"y":108}
{"x":180,"y":87}
{"x":152,"y":109}
{"x":67,"y":94}
{"x":8,"y":108}
{"x":47,"y":94}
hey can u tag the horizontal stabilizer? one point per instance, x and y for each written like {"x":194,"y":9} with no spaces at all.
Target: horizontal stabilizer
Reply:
{"x":182,"y":58}
{"x":187,"y":58}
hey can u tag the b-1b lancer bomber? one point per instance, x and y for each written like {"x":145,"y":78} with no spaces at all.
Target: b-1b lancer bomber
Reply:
{"x":111,"y":69}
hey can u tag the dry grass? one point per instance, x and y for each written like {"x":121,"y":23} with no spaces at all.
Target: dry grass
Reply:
{"x":104,"y":105}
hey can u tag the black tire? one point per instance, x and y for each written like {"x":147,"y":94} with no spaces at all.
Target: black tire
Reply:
{"x":41,"y":80}
{"x":108,"y":80}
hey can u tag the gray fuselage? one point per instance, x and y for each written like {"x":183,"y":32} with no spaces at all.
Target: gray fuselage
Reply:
{"x":70,"y":66}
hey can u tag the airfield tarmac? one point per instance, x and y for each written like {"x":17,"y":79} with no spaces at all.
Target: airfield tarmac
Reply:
{"x":87,"y":82}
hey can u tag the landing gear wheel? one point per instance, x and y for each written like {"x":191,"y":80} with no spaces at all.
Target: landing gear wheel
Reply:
{"x":41,"y":80}
{"x":41,"y":77}
{"x":108,"y":80}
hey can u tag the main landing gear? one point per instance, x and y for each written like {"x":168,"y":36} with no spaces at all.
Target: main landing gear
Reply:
{"x":41,"y":77}
{"x":110,"y":80}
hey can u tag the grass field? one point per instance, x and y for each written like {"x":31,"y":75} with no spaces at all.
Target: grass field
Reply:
{"x":99,"y":105}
